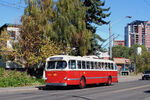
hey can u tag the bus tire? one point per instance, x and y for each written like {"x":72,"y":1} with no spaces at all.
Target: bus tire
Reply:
{"x":109,"y":81}
{"x":82,"y":83}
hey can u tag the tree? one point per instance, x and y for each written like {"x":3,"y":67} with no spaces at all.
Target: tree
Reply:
{"x":70,"y":27}
{"x":50,"y":28}
{"x":34,"y":45}
{"x":95,"y":15}
{"x":143,"y":62}
{"x":6,"y":50}
{"x":120,"y":51}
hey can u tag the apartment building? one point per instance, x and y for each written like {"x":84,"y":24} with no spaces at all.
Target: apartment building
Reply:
{"x":138,"y":32}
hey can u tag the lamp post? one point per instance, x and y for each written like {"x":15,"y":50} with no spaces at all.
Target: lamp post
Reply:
{"x":110,"y":37}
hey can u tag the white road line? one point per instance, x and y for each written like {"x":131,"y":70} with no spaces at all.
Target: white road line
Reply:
{"x":128,"y":89}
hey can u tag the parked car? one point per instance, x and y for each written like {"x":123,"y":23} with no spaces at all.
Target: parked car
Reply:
{"x":146,"y":75}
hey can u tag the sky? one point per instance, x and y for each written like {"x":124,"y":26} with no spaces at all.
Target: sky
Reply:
{"x":12,"y":10}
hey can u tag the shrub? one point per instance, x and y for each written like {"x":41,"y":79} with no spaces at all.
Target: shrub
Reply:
{"x":14,"y":78}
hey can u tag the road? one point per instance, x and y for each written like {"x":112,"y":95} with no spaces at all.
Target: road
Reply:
{"x":135,"y":90}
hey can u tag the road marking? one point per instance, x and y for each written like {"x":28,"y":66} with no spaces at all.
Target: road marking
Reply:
{"x":128,"y":89}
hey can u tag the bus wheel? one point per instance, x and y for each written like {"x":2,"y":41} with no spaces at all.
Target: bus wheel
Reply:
{"x":82,"y":83}
{"x":109,"y":81}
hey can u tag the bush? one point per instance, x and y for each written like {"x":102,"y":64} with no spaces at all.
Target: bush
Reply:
{"x":15,"y":79}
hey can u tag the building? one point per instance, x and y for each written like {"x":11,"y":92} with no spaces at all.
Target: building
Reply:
{"x":122,"y":65}
{"x":118,"y":43}
{"x":138,"y":32}
{"x":13,"y":31}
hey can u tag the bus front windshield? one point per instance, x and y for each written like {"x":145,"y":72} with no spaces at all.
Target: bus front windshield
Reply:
{"x":56,"y":65}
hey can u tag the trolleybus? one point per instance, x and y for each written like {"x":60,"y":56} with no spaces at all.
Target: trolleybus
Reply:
{"x":64,"y":70}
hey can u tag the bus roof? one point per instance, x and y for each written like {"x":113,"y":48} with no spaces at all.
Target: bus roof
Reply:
{"x":67,"y":57}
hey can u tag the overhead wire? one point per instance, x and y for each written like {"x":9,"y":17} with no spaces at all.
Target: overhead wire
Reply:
{"x":13,"y":5}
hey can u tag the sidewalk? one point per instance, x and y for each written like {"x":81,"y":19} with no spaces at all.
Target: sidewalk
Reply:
{"x":16,"y":89}
{"x":129,"y":78}
{"x":34,"y":88}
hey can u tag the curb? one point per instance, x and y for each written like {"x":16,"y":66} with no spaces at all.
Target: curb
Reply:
{"x":16,"y":89}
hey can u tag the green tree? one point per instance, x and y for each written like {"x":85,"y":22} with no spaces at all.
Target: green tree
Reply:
{"x":143,"y":62}
{"x":120,"y":51}
{"x":70,"y":27}
{"x":34,"y":45}
{"x":95,"y":15}
{"x":6,"y":51}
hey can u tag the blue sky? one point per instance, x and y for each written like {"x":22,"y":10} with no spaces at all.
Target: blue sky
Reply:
{"x":138,"y":9}
{"x":11,"y":11}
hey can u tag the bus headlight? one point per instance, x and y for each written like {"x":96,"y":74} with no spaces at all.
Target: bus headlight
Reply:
{"x":65,"y":78}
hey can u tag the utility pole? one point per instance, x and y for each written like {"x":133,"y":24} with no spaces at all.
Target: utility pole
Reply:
{"x":110,"y":36}
{"x":135,"y":54}
{"x":110,"y":40}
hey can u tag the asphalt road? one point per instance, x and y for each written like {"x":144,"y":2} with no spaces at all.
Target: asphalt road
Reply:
{"x":135,"y":90}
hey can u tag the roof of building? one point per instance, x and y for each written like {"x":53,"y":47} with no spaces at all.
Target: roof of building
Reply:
{"x":137,"y":22}
{"x":9,"y":25}
{"x":118,"y":40}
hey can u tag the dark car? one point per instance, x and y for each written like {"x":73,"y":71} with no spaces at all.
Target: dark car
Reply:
{"x":146,"y":75}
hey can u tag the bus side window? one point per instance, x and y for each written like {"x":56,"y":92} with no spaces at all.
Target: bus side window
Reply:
{"x":92,"y":65}
{"x":88,"y":64}
{"x":103,"y":67}
{"x":112,"y":66}
{"x":96,"y":67}
{"x":106,"y":66}
{"x":115,"y":66}
{"x":79,"y":64}
{"x":99,"y":65}
{"x":83,"y":65}
{"x":72,"y":64}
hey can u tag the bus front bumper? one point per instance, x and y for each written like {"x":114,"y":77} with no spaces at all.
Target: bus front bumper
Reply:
{"x":56,"y":84}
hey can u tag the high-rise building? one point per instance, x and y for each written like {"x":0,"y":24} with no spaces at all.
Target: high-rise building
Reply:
{"x":138,"y":32}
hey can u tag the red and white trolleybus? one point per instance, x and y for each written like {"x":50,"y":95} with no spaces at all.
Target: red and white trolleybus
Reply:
{"x":63,"y":70}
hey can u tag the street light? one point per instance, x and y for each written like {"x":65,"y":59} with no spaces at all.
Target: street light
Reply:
{"x":110,"y":36}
